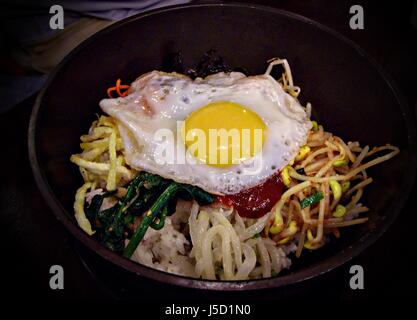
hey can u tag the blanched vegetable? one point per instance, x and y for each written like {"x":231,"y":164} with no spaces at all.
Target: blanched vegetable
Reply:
{"x":146,"y":193}
{"x":156,"y":215}
{"x":336,"y":189}
{"x":339,"y":212}
{"x":286,"y":176}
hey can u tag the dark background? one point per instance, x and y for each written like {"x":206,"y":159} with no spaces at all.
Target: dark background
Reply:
{"x":32,"y":240}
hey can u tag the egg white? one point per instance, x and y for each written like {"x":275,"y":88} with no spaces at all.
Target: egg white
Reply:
{"x":158,"y":100}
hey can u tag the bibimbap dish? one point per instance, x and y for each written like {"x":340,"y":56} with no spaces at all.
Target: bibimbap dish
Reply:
{"x":215,"y":174}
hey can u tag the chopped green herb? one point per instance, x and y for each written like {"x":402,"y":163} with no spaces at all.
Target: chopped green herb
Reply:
{"x":311,"y":200}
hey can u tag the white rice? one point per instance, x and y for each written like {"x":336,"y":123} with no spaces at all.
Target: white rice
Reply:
{"x":166,"y":250}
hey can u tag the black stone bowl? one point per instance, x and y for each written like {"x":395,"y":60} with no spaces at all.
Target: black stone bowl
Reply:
{"x":350,"y":94}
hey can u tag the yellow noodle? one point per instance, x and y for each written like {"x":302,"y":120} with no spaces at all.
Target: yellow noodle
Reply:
{"x":111,"y":178}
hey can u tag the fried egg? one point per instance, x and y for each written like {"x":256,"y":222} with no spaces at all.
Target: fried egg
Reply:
{"x":253,"y":106}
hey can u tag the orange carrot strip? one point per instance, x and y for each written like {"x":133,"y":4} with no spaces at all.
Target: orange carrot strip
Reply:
{"x":109,"y":91}
{"x":117,"y":88}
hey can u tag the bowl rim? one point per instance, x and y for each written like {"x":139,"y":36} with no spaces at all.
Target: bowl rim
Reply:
{"x":330,"y":263}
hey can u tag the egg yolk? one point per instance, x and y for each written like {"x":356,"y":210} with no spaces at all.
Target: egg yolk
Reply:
{"x":224,"y":133}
